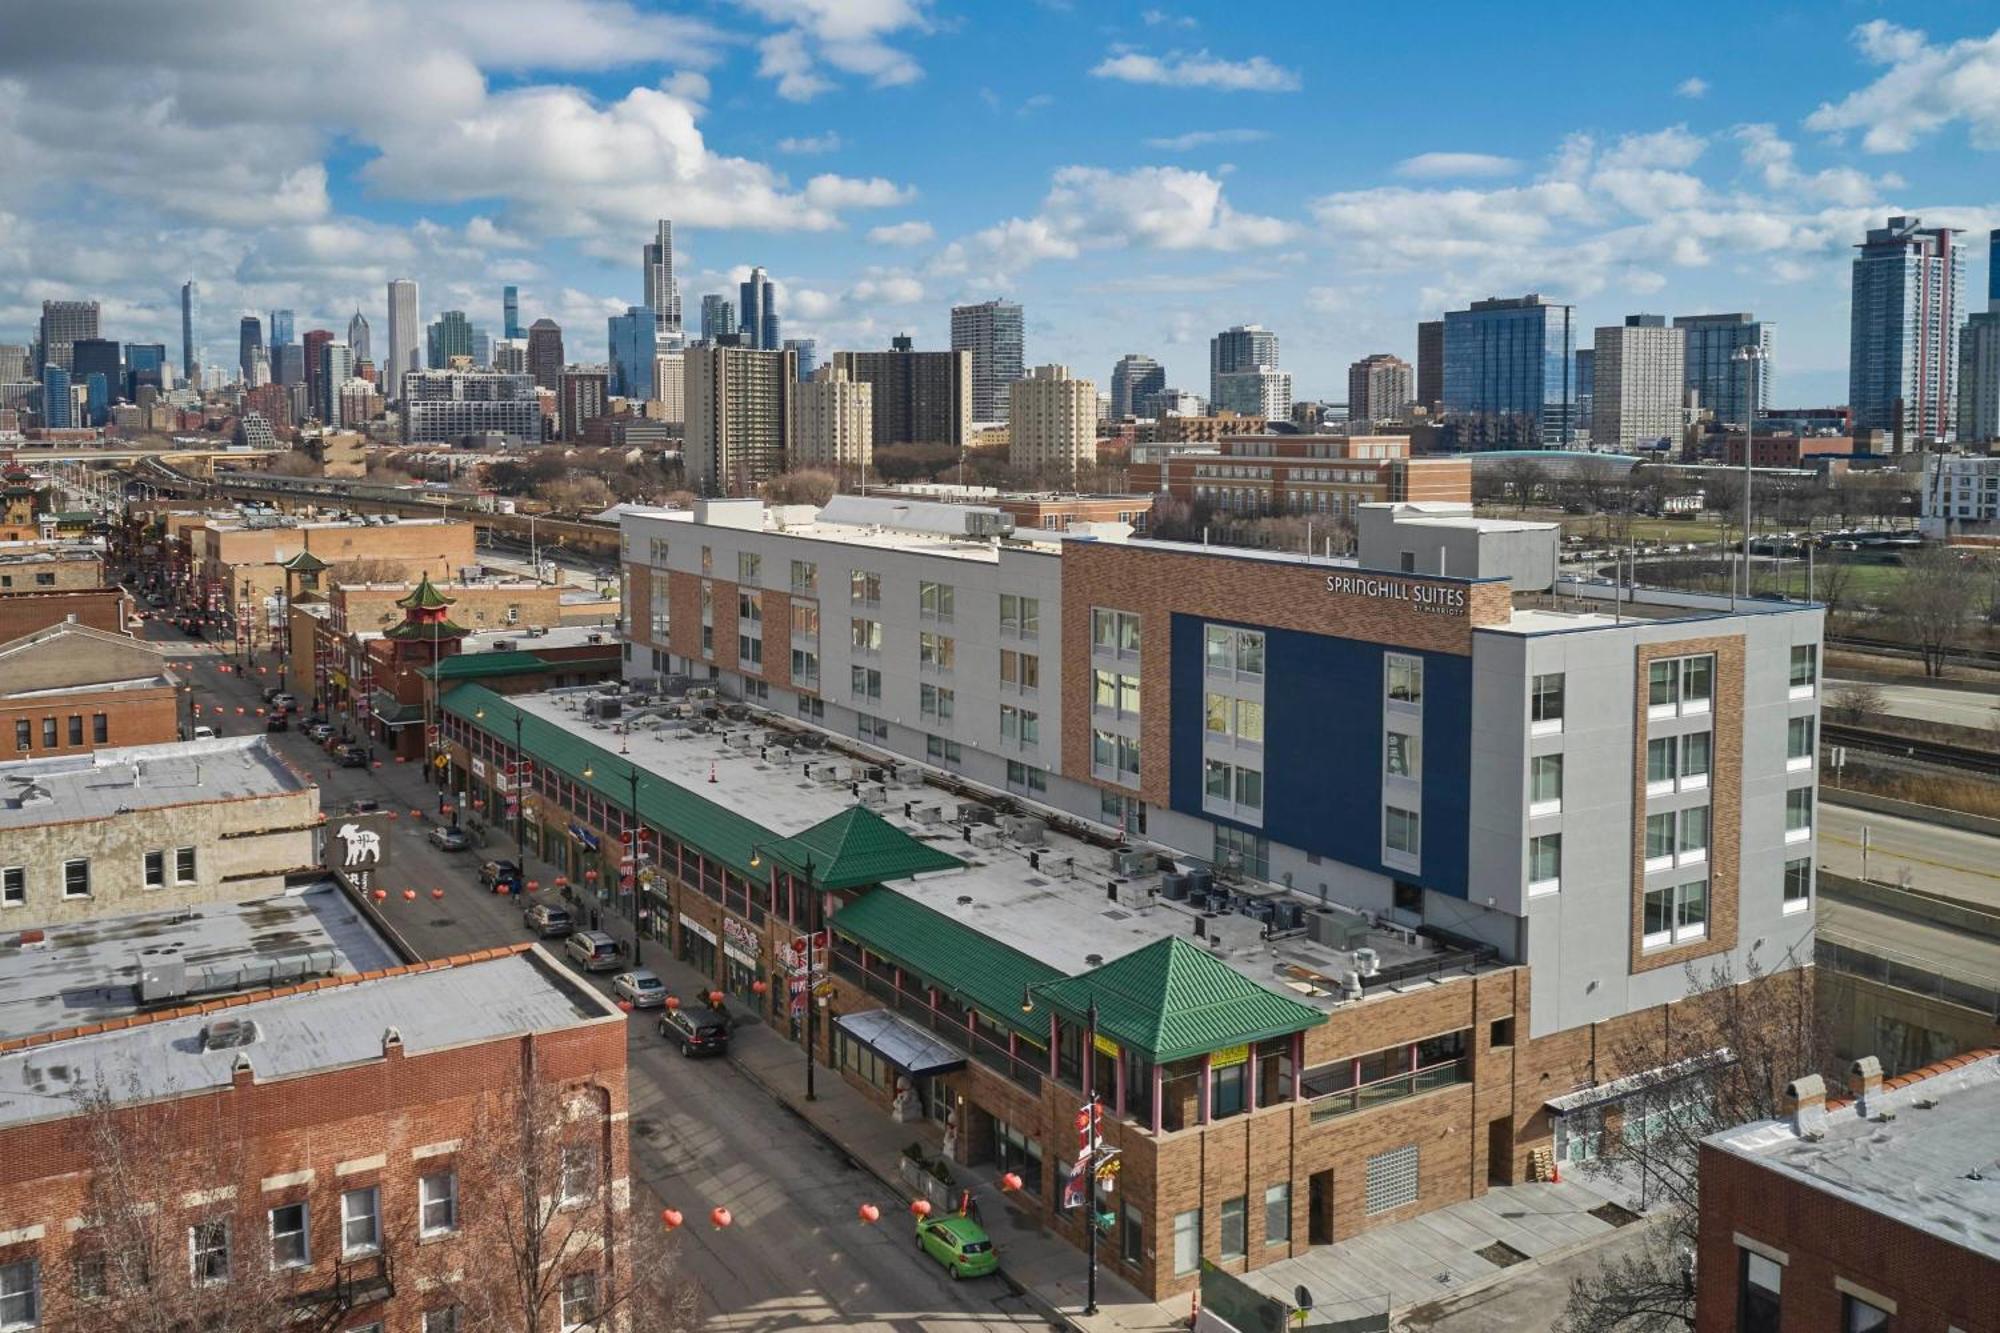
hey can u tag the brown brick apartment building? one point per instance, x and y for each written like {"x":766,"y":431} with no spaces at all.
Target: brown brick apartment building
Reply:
{"x":37,"y":566}
{"x":351,"y":1149}
{"x":1871,"y":1213}
{"x":1307,"y":475}
{"x":71,"y":688}
{"x":107,"y":609}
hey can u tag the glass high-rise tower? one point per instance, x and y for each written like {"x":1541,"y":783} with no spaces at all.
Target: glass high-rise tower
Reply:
{"x":191,"y":353}
{"x":992,"y":332}
{"x":1712,"y":370}
{"x":1510,"y":374}
{"x":1902,"y":349}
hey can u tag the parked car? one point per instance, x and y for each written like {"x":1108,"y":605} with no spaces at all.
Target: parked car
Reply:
{"x":960,"y":1244}
{"x":642,"y":987}
{"x":204,"y":733}
{"x":594,"y":951}
{"x":549,"y":920}
{"x":448,"y":839}
{"x":286,"y":700}
{"x":493,"y":872}
{"x":354,"y":757}
{"x":278,"y":722}
{"x":364,"y":805}
{"x":270,"y":692}
{"x":319,"y":731}
{"x":697,"y":1031}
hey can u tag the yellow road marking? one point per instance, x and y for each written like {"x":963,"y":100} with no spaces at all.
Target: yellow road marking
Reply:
{"x":1876,"y":849}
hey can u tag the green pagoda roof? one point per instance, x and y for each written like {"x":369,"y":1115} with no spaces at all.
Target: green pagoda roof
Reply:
{"x":305,"y":562}
{"x":424,"y":596}
{"x":857,"y":847}
{"x":1171,"y":1000}
{"x":423,"y":631}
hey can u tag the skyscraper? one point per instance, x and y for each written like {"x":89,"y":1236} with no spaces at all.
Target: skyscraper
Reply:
{"x":1379,"y":388}
{"x":633,"y":339}
{"x":739,"y":417}
{"x":1979,"y":360}
{"x":1430,"y":364}
{"x":757,"y":318}
{"x":1051,"y":423}
{"x":510,"y":312}
{"x":833,"y":423}
{"x":915,"y":397}
{"x":1132,"y":379}
{"x":1586,"y":385}
{"x":97,"y":356}
{"x":449,"y":336}
{"x":583,"y":398}
{"x":287,"y":363}
{"x":1262,"y":391}
{"x":663,"y":293}
{"x":56,"y":398}
{"x":718,"y":316}
{"x":1509,"y":374}
{"x":145,"y":363}
{"x":807,"y":350}
{"x":63,"y":323}
{"x":281,"y":327}
{"x":992,"y":332}
{"x":249,"y":346}
{"x":315,"y":343}
{"x":1637,"y":383}
{"x":1713,"y":372}
{"x":1902,"y":350}
{"x":1243,"y":347}
{"x":406,"y":337}
{"x":545,"y":353}
{"x":333,"y":366}
{"x":191,"y":352}
{"x":357,"y":338}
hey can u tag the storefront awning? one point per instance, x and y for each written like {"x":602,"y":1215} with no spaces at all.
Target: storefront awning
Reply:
{"x":900,"y":1042}
{"x":1618,"y":1089}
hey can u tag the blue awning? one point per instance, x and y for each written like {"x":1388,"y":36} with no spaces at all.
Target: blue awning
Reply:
{"x":900,"y":1042}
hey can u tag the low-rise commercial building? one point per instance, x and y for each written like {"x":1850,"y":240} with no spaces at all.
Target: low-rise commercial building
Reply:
{"x":108,"y":609}
{"x":1867,"y":1213}
{"x":70,"y":688}
{"x":1310,"y":475}
{"x":120,"y":830}
{"x":46,"y":566}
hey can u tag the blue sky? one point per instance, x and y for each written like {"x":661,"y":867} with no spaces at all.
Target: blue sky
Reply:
{"x":1136,"y":175}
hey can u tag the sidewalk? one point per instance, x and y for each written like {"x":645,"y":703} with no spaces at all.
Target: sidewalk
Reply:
{"x":1045,"y":1268}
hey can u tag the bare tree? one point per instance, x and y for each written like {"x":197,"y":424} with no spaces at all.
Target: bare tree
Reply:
{"x":547,"y":1240}
{"x":1734,"y":1044}
{"x":166,"y":1243}
{"x":1523,"y":478}
{"x":366,"y":569}
{"x":808,"y":486}
{"x":1856,"y":704}
{"x":1933,"y":600}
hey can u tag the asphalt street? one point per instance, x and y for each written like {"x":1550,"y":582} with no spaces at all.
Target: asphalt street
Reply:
{"x":1934,"y":858}
{"x":702,"y":1133}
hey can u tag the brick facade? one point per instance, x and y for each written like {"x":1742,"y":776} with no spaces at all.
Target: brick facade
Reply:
{"x":100,"y":608}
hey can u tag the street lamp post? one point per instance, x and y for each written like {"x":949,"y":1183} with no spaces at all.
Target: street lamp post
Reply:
{"x":520,"y":810}
{"x":807,"y":999}
{"x":1750,"y":357}
{"x":1090,"y":1153}
{"x":631,"y":845}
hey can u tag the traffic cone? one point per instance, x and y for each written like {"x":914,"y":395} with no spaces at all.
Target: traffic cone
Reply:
{"x":1194,"y":1312}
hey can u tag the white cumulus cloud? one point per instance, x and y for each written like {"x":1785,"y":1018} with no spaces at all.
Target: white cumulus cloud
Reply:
{"x":1434,"y":166}
{"x":1693,"y":87}
{"x":1924,"y":88}
{"x":1198,"y":69}
{"x":903,"y":233}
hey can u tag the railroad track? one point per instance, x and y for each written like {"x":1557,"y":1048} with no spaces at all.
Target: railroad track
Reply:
{"x":1944,"y":755}
{"x":1890,"y":647}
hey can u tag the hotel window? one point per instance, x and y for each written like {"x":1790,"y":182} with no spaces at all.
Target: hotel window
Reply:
{"x":1798,"y":884}
{"x":936,"y":652}
{"x":156,"y":870}
{"x":1278,"y":1213}
{"x":1693,"y":845}
{"x":1858,"y":1316}
{"x":750,"y":608}
{"x":749,"y":566}
{"x":1696,"y":747}
{"x":811,"y":706}
{"x":870,"y":728}
{"x":1027,"y":777}
{"x":1115,"y":757}
{"x":76,"y":878}
{"x":184,"y":865}
{"x":865,"y":636}
{"x":1020,"y":726}
{"x":707,"y":561}
{"x":805,"y":667}
{"x":1760,"y":1282}
{"x":1226,"y":715}
{"x":1805,"y":669}
{"x":864,"y":587}
{"x":1545,"y":863}
{"x":805,"y":619}
{"x":1114,"y":632}
{"x":660,"y":610}
{"x":1115,"y":693}
{"x":1020,"y":615}
{"x":1020,"y":671}
{"x":1405,"y":679}
{"x":291,"y":1236}
{"x":1238,"y":652}
{"x":865,"y":683}
{"x":936,"y":701}
{"x":1402,"y":755}
{"x":657,"y":552}
{"x":1401,"y":830}
{"x":935,"y":600}
{"x":749,"y":651}
{"x":1676,"y":914}
{"x":48,"y":733}
{"x":76,"y":728}
{"x":1799,"y":742}
{"x":1798,"y":814}
{"x":942,"y":750}
{"x":24,"y":734}
{"x":1679,"y":685}
{"x":805,"y":577}
{"x":1545,"y":784}
{"x":1545,"y":713}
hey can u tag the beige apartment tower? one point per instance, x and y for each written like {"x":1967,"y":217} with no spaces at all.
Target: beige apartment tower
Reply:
{"x":1052,"y":423}
{"x":833,"y":423}
{"x":1379,"y":388}
{"x":739,"y":417}
{"x":1639,"y":382}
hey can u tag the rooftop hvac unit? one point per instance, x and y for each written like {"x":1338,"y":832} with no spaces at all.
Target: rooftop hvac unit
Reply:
{"x":985,"y":835}
{"x":909,"y":775}
{"x":1350,"y":984}
{"x":1025,"y":830}
{"x":1174,"y":887}
{"x":928,"y":814}
{"x":1200,"y":881}
{"x":977,"y":814}
{"x":1287,"y":916}
{"x":873,"y":794}
{"x":606,"y":708}
{"x":228,"y":1033}
{"x":834,"y":775}
{"x":1336,"y":930}
{"x":742,"y":740}
{"x":1367,"y":962}
{"x":702,"y":692}
{"x":505,"y":645}
{"x":1128,"y":864}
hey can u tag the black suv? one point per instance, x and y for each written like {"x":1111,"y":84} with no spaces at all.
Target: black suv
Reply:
{"x":698,"y":1031}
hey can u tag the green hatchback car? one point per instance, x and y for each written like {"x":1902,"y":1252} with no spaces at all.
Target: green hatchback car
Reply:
{"x":960,"y":1244}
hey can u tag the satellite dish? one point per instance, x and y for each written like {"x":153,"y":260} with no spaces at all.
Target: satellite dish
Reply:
{"x":1302,"y":1297}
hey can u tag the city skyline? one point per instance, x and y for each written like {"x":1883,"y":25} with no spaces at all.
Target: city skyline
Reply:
{"x":1169,"y":193}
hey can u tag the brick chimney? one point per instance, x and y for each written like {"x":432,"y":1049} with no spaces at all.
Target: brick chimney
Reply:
{"x":1805,"y":1098}
{"x":1864,"y":1081}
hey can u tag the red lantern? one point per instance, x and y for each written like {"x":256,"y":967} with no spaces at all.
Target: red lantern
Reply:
{"x":239,"y":711}
{"x":720,"y":1216}
{"x":378,"y":764}
{"x":670,"y":1218}
{"x":399,"y":759}
{"x":409,"y":895}
{"x":870,"y":1214}
{"x":562,"y":881}
{"x":673,"y":1002}
{"x":379,"y":894}
{"x":759,"y":986}
{"x":625,"y":1004}
{"x":534,"y":886}
{"x":447,"y":809}
{"x":715,"y":997}
{"x":392,"y":813}
{"x":921,"y":1208}
{"x":437,"y":895}
{"x":478,"y":804}
{"x":416,"y":814}
{"x":590,"y":875}
{"x":1010,"y":1182}
{"x":260,"y":712}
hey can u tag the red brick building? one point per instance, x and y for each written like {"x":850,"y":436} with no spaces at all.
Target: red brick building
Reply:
{"x":334,"y":1141}
{"x":1308,"y":475}
{"x":21,"y":613}
{"x":1872,"y":1212}
{"x":71,"y":688}
{"x":1786,"y":450}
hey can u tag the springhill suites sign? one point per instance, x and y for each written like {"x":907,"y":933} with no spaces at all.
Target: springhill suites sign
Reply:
{"x":1434,"y":598}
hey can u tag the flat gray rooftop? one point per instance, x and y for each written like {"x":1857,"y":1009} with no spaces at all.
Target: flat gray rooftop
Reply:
{"x":89,"y":972}
{"x":1935,"y":1168}
{"x":138,"y":777}
{"x":487,"y":1000}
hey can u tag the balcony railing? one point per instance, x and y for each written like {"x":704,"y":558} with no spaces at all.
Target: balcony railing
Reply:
{"x":1407,"y":1083}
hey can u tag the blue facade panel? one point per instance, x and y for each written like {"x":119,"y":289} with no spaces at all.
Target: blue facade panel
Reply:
{"x":1323,"y":705}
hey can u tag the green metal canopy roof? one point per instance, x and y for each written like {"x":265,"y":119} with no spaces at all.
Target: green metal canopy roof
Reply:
{"x":857,"y":847}
{"x":423,"y":630}
{"x":988,"y":974}
{"x":711,"y":828}
{"x":424,"y":596}
{"x":1171,"y":1000}
{"x":474,"y":666}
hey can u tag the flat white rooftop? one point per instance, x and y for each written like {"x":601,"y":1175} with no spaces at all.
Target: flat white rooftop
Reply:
{"x":138,"y":777}
{"x":485,"y":1000}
